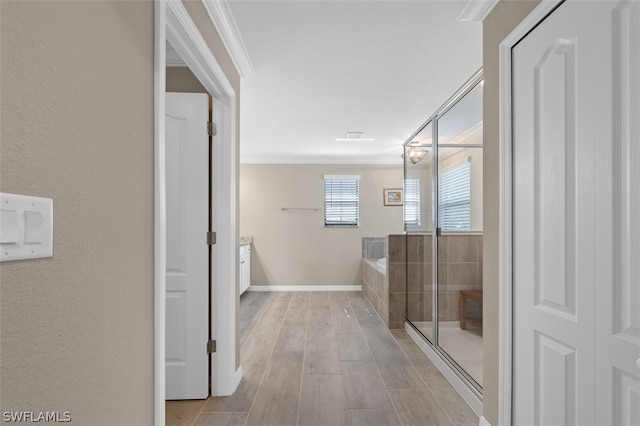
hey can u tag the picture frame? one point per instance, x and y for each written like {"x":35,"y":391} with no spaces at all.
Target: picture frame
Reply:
{"x":392,"y":196}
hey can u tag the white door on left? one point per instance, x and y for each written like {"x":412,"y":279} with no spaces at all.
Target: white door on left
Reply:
{"x":187,"y":297}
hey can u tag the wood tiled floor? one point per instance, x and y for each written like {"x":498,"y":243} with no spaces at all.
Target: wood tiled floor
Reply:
{"x":326,"y":358}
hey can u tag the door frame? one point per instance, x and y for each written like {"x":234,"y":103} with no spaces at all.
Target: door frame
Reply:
{"x":505,"y":366}
{"x":174,"y":24}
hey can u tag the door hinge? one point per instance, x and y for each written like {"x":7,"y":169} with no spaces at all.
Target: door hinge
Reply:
{"x":211,"y":347}
{"x":211,"y":238}
{"x":212,"y":129}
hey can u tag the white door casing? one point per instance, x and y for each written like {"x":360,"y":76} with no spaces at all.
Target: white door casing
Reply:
{"x":575,"y":196}
{"x":174,"y":25}
{"x":187,"y":304}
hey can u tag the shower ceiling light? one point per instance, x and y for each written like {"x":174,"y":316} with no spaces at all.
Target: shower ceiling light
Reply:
{"x":415,"y":153}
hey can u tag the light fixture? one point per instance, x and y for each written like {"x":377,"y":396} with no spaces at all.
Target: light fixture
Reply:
{"x":415,"y":153}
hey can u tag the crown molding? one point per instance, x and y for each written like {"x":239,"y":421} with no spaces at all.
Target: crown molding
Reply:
{"x":477,"y":10}
{"x":319,"y":159}
{"x":220,"y":14}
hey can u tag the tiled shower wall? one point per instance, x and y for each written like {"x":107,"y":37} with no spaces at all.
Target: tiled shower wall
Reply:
{"x":460,"y":268}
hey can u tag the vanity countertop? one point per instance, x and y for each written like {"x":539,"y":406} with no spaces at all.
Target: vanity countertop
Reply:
{"x":246,"y":240}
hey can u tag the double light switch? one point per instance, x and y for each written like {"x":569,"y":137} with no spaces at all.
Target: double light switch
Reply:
{"x":26,"y":227}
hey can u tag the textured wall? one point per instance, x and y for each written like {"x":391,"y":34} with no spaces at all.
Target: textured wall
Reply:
{"x":181,"y":79}
{"x":294,"y":248}
{"x":499,"y":24}
{"x":76,"y":100}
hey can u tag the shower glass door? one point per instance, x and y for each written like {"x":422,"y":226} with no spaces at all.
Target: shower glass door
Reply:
{"x":459,"y":222}
{"x":418,"y":223}
{"x":443,"y":226}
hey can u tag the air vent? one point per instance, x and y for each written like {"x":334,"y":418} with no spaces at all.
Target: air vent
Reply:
{"x":353,"y":137}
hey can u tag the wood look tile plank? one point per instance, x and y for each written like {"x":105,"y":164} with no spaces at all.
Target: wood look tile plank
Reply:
{"x":320,"y":313}
{"x":274,"y":409}
{"x":363,"y":385}
{"x":321,"y":352}
{"x":411,"y":350}
{"x":352,"y":346}
{"x":319,"y":298}
{"x":242,"y":398}
{"x":452,"y":403}
{"x":252,"y":307}
{"x":322,"y":401}
{"x":399,"y":373}
{"x":292,"y":337}
{"x":261,"y":341}
{"x":344,"y":319}
{"x":321,"y":364}
{"x":373,"y":418}
{"x":221,"y":419}
{"x":181,"y":413}
{"x":418,"y":407}
{"x":284,"y":372}
{"x":380,"y":342}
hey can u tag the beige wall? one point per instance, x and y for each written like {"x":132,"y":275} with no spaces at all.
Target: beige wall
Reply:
{"x":294,"y":248}
{"x":77,"y":126}
{"x":181,"y":79}
{"x":502,"y":20}
{"x":76,"y":100}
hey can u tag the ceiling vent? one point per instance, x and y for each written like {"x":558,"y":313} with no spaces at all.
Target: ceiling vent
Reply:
{"x":354,"y":136}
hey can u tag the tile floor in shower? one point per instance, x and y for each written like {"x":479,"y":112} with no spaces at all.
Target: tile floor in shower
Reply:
{"x":326,"y":358}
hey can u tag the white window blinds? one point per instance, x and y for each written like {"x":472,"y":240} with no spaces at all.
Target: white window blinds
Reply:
{"x":341,"y":200}
{"x":412,"y":203}
{"x":455,"y":198}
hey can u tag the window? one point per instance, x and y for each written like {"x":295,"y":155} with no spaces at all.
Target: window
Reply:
{"x":411,"y":203}
{"x":455,"y":198}
{"x":341,"y":200}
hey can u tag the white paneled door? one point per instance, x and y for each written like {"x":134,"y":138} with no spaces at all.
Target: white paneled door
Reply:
{"x":576,"y":247}
{"x":187,"y":168}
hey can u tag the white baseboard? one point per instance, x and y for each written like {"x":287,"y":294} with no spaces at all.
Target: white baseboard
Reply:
{"x":467,"y":394}
{"x":231,"y":388}
{"x":484,"y":422}
{"x":305,"y":288}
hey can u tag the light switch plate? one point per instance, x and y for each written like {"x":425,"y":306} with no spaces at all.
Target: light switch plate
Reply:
{"x":26,"y":227}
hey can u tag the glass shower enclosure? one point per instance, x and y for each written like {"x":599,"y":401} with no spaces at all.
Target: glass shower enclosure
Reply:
{"x":443,"y":166}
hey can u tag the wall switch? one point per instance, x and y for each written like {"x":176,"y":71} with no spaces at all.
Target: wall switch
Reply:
{"x":8,"y":226}
{"x":26,"y":227}
{"x":33,"y":227}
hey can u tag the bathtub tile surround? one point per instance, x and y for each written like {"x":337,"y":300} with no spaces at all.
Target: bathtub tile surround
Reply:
{"x":409,"y":269}
{"x":374,"y":247}
{"x":375,"y":285}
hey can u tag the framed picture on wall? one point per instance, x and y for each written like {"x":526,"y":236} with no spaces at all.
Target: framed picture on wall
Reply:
{"x":392,"y":196}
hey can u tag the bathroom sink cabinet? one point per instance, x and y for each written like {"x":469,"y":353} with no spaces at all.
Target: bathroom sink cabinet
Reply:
{"x":245,"y":267}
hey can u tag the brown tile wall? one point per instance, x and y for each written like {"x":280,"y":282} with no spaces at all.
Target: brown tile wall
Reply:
{"x":410,"y":276}
{"x":406,"y":290}
{"x":375,"y":287}
{"x":460,"y":268}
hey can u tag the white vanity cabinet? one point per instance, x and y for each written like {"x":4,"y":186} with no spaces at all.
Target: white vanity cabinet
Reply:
{"x":245,"y":267}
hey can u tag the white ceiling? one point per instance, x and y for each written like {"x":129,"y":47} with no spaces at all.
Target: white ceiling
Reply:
{"x":324,"y":68}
